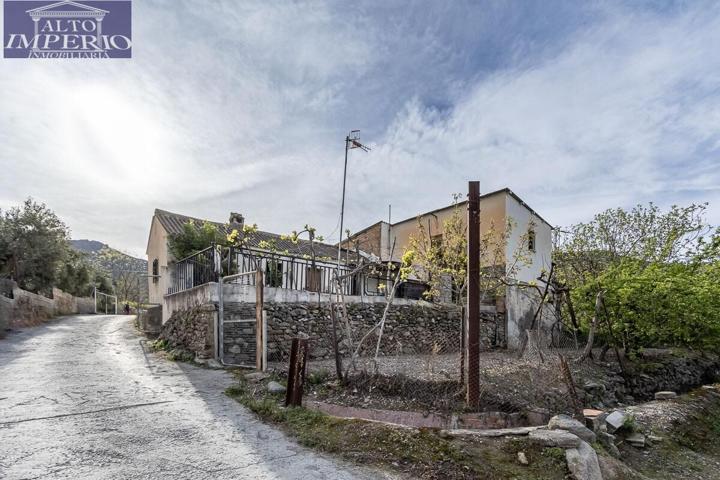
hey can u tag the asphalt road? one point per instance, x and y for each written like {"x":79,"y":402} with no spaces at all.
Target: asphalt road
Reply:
{"x":82,"y":397}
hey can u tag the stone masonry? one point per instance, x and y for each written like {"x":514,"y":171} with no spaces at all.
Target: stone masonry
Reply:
{"x":409,"y":329}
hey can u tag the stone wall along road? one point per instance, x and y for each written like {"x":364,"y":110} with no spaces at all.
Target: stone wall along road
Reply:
{"x":83,"y":398}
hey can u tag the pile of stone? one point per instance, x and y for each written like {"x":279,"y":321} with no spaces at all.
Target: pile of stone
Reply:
{"x":565,"y":432}
{"x":607,"y":428}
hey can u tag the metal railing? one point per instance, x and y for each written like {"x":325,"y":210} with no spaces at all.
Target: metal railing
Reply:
{"x":197,"y":269}
{"x":279,"y":271}
{"x":290,"y":272}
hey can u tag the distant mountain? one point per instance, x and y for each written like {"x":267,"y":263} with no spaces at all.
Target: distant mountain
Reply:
{"x":125,"y":270}
{"x":87,"y":245}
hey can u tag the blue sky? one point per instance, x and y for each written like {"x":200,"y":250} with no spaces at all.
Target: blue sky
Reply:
{"x":244,"y":106}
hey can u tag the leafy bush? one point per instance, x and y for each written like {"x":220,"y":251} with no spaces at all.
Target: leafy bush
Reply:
{"x":660,"y":304}
{"x":655,"y":274}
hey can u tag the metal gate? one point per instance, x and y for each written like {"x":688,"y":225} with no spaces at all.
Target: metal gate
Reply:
{"x":241,"y":330}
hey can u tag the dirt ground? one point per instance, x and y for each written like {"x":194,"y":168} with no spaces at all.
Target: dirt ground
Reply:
{"x":433,"y":382}
{"x":687,"y":433}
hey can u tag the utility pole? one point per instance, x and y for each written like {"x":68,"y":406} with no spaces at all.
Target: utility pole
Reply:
{"x":473,"y":308}
{"x":352,"y":140}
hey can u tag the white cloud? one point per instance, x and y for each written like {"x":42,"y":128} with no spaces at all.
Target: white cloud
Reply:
{"x":244,"y":107}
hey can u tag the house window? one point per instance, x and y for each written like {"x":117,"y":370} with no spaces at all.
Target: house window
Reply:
{"x":273,"y":273}
{"x":155,"y":271}
{"x":531,"y":240}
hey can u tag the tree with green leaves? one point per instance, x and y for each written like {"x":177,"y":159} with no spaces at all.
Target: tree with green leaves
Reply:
{"x":643,"y":277}
{"x":34,"y":244}
{"x":194,"y":238}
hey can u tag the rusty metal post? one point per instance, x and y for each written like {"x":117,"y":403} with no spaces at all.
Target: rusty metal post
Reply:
{"x":259,"y":327}
{"x":473,"y":308}
{"x":570,"y":383}
{"x":296,"y":372}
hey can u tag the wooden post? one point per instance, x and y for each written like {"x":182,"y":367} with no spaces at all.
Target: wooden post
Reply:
{"x":259,"y":326}
{"x":473,"y":308}
{"x":296,"y":372}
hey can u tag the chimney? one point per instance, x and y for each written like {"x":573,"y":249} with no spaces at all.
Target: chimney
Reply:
{"x":237,"y":221}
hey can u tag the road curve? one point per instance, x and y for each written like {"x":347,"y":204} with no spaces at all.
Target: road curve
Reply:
{"x":82,"y":397}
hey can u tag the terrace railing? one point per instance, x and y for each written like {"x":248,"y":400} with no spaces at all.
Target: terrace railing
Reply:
{"x":197,"y":269}
{"x":289,"y":271}
{"x":280,"y":270}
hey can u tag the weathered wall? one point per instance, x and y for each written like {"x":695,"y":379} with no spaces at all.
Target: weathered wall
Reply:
{"x":150,"y":320}
{"x":19,"y":308}
{"x":191,"y":329}
{"x":5,"y":307}
{"x":157,"y":249}
{"x":409,"y":329}
{"x":657,"y":370}
{"x":521,"y":304}
{"x":30,"y":309}
{"x":187,"y":299}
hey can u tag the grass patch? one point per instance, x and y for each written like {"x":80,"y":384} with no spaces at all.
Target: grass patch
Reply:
{"x":172,"y":353}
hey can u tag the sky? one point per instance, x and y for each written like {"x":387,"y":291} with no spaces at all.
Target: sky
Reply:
{"x":244,"y":106}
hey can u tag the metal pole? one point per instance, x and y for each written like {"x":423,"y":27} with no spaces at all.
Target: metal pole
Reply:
{"x":336,"y":350}
{"x":473,"y":309}
{"x":219,"y":324}
{"x":342,"y":206}
{"x":95,"y":298}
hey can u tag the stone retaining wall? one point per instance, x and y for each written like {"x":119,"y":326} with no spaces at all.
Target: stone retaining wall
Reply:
{"x":410,"y":329}
{"x":657,"y":370}
{"x":192,"y":329}
{"x":20,"y":308}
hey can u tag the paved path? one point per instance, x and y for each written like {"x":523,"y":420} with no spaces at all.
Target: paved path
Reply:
{"x":82,"y":397}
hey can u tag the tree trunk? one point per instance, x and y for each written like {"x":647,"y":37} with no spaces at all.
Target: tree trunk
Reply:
{"x":593,"y":327}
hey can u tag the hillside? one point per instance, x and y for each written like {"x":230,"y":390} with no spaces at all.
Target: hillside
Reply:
{"x":125,"y":270}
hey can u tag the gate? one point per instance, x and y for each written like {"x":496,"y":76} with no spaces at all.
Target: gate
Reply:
{"x":241,"y":332}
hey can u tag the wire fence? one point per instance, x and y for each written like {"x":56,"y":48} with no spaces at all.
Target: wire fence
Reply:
{"x":422,"y":366}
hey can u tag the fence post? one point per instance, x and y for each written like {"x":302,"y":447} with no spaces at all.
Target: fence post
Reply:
{"x":296,"y":372}
{"x":259,"y":328}
{"x":473,"y":309}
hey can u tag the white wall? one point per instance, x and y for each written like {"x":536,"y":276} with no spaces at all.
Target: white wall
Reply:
{"x":522,"y":220}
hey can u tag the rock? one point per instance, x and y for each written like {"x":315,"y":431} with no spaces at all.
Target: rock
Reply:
{"x":256,"y":376}
{"x":614,"y":469}
{"x":665,"y":395}
{"x":554,"y":438}
{"x":616,"y":420}
{"x":583,"y":462}
{"x":564,"y":422}
{"x":655,"y":438}
{"x":538,"y":416}
{"x":637,"y":440}
{"x":608,"y":441}
{"x":522,"y":459}
{"x":594,"y":387}
{"x":212,"y":363}
{"x":275,"y":387}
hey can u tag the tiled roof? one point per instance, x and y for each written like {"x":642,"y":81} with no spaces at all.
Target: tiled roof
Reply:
{"x":173,"y":224}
